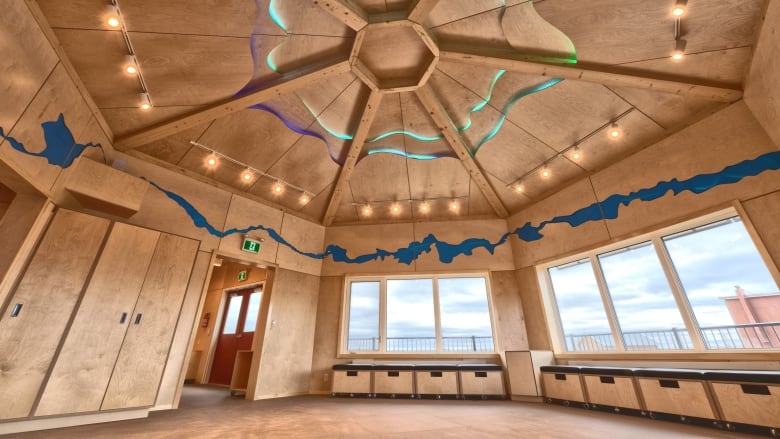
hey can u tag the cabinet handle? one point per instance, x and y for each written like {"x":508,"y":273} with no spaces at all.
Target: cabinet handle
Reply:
{"x":15,"y":311}
{"x":138,"y":318}
{"x":123,"y":318}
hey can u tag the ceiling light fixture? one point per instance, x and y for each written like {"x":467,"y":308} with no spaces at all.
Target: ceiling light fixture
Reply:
{"x":680,"y":7}
{"x":425,"y":208}
{"x":395,"y":209}
{"x":130,"y":65}
{"x":571,"y":152}
{"x":111,"y":16}
{"x":279,"y":186}
{"x":144,"y":102}
{"x":615,"y":131}
{"x":454,"y":205}
{"x":679,"y":49}
{"x":366,"y":210}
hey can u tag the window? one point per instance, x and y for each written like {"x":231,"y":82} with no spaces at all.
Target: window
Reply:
{"x":699,"y":285}
{"x":416,"y":314}
{"x":253,"y":310}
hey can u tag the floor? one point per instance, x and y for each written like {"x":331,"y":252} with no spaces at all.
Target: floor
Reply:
{"x":208,"y":412}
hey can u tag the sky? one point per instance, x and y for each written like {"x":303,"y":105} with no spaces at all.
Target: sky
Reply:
{"x":710,"y":262}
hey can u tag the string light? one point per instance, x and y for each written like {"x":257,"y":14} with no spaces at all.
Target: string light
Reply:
{"x":454,"y":205}
{"x":576,"y":153}
{"x":519,"y":187}
{"x":395,"y":209}
{"x":304,"y":199}
{"x":247,"y":175}
{"x":277,"y":188}
{"x":212,"y":160}
{"x":366,"y":210}
{"x":425,"y":208}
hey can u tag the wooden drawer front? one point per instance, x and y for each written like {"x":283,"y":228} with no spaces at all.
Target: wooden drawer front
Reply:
{"x":749,"y":403}
{"x":437,"y":383}
{"x":568,"y":389}
{"x":397,"y":382}
{"x":611,"y":391}
{"x":481,"y":383}
{"x":351,"y":381}
{"x":689,"y":398}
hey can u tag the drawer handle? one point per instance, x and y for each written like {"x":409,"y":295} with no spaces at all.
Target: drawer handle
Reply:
{"x":669,"y":384}
{"x":15,"y":311}
{"x":393,"y":373}
{"x":480,"y":374}
{"x":138,"y":319}
{"x":123,"y":318}
{"x":753,"y":389}
{"x":560,"y":376}
{"x":352,"y":373}
{"x":435,"y":374}
{"x":607,"y":380}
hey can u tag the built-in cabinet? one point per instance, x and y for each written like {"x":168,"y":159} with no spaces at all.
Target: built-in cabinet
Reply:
{"x":100,"y":324}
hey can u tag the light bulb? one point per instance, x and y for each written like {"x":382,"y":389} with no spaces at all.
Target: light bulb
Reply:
{"x":395,"y":209}
{"x":425,"y":207}
{"x":212,"y":160}
{"x":130,"y":65}
{"x":131,"y":70}
{"x":366,"y":210}
{"x":519,"y":187}
{"x":277,"y":188}
{"x":304,"y":199}
{"x":144,"y":102}
{"x":111,"y":15}
{"x":679,"y":49}
{"x":113,"y":21}
{"x":454,"y":206}
{"x":247,"y":175}
{"x":146,"y":106}
{"x":576,"y":153}
{"x":614,"y":131}
{"x":546,"y":172}
{"x":679,"y":8}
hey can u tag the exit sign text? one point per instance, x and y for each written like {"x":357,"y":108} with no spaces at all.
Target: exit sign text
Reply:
{"x":251,"y":246}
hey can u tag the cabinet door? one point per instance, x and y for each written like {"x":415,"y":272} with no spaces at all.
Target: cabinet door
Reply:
{"x":141,"y":361}
{"x":47,"y":294}
{"x":83,"y":367}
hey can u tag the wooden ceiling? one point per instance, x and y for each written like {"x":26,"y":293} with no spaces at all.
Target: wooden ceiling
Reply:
{"x":487,"y":113}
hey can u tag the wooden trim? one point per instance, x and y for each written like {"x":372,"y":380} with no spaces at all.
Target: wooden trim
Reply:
{"x":288,"y":83}
{"x":710,"y":356}
{"x":47,"y":423}
{"x":419,"y":10}
{"x":450,"y":132}
{"x":48,"y":32}
{"x":346,"y":12}
{"x":772,"y":265}
{"x":610,"y":75}
{"x":366,"y":119}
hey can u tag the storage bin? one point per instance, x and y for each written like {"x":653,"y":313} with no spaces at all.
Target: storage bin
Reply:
{"x":747,"y":397}
{"x":610,"y":386}
{"x":438,"y":381}
{"x":393,"y":380}
{"x":675,"y":391}
{"x":563,"y":383}
{"x":352,"y":380}
{"x":481,"y":380}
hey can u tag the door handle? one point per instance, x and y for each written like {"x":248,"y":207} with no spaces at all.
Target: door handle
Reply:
{"x":123,"y":318}
{"x":16,"y":310}
{"x":138,"y":318}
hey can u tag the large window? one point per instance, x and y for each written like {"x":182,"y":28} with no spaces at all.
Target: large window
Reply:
{"x":700,"y":285}
{"x":430,"y":314}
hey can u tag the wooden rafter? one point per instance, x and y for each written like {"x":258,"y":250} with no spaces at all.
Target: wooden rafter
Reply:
{"x":440,"y":116}
{"x":286,"y":84}
{"x":420,"y":9}
{"x":609,"y":75}
{"x":345,"y":11}
{"x":358,"y":141}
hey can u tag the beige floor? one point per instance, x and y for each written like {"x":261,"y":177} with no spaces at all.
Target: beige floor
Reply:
{"x":211,"y":413}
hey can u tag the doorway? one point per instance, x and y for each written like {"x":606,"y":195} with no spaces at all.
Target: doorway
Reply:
{"x":241,"y":311}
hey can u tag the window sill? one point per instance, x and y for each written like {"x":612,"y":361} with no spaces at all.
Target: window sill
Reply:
{"x":420,"y":356}
{"x":767,"y":355}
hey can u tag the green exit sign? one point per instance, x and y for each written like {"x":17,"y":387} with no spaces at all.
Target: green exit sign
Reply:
{"x":242,"y":275}
{"x":251,"y":246}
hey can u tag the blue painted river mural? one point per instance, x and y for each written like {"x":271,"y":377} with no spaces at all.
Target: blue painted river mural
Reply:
{"x":61,"y":148}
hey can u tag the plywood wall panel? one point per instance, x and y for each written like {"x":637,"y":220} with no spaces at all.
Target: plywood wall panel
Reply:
{"x":762,"y":86}
{"x":763,"y":212}
{"x":558,"y":238}
{"x":360,"y":240}
{"x":244,"y":213}
{"x":232,"y":18}
{"x":286,"y":357}
{"x":22,"y":77}
{"x":666,"y":109}
{"x":306,"y":237}
{"x":48,"y":297}
{"x":15,"y":225}
{"x":326,"y":334}
{"x":381,"y":177}
{"x":727,"y":137}
{"x":533,"y":310}
{"x":508,"y":317}
{"x":83,"y":367}
{"x":124,"y":121}
{"x":455,"y":232}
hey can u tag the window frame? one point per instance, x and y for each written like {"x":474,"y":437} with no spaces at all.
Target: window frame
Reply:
{"x":382,"y":352}
{"x":655,"y":237}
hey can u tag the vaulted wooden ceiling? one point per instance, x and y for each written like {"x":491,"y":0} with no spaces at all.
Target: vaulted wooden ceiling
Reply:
{"x":276,"y":85}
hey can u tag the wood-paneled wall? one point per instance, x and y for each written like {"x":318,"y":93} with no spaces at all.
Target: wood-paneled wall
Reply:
{"x":326,"y":336}
{"x":762,"y":87}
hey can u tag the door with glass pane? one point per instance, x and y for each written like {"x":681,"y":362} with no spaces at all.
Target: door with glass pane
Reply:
{"x":236,"y":332}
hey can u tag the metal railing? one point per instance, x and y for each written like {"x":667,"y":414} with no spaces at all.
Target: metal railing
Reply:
{"x":471,"y":343}
{"x":745,"y":336}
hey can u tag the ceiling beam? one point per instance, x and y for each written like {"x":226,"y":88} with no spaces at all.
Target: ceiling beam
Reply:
{"x":420,"y":9}
{"x":288,"y":83}
{"x":358,"y":141}
{"x":450,"y":132}
{"x":346,"y":12}
{"x":609,"y":75}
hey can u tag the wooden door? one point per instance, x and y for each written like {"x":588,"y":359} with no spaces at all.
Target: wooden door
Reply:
{"x":237,"y":331}
{"x":141,"y":361}
{"x":84,"y":365}
{"x":41,"y":306}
